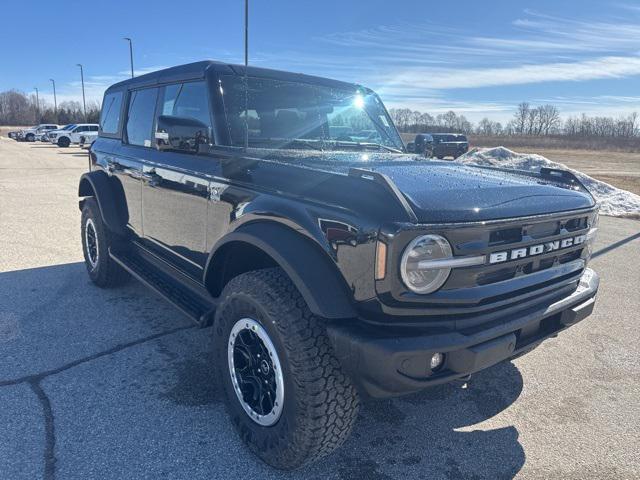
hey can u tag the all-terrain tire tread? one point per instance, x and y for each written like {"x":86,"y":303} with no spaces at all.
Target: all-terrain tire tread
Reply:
{"x":324,"y":392}
{"x":110,"y":274}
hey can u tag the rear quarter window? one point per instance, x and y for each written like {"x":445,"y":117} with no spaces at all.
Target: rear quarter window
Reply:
{"x":110,"y":116}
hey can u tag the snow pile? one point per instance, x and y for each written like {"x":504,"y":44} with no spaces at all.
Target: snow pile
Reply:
{"x":613,"y":201}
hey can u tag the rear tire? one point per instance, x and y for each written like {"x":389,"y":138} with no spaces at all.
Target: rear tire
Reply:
{"x":30,"y":137}
{"x":63,"y":142}
{"x":96,"y":242}
{"x":319,"y":404}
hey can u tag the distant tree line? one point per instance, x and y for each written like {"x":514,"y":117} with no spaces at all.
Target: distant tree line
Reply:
{"x":527,"y":120}
{"x":17,"y":108}
{"x":413,"y":121}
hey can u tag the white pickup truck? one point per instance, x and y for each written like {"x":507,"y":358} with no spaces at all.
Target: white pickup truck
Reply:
{"x":71,"y":134}
{"x":35,"y":133}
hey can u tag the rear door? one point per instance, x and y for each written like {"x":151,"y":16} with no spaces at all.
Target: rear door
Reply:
{"x":127,"y":158}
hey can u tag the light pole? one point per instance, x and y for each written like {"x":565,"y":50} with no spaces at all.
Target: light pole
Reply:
{"x":84,"y":103}
{"x":130,"y":53}
{"x":37,"y":106}
{"x":55,"y":100}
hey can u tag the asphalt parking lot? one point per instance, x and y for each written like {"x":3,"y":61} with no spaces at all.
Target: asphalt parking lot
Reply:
{"x":118,"y":384}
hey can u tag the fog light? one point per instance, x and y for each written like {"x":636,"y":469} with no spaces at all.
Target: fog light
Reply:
{"x":437,"y":360}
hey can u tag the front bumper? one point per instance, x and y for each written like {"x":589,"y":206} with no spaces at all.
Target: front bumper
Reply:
{"x":387,"y":365}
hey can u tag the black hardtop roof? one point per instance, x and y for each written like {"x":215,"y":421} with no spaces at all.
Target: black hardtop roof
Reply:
{"x":198,"y":70}
{"x":455,"y":134}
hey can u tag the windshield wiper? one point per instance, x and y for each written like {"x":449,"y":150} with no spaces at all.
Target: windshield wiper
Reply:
{"x":288,"y":142}
{"x":378,"y":146}
{"x":311,"y":144}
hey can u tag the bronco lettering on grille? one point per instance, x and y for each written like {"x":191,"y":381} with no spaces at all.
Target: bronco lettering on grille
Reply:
{"x":531,"y":250}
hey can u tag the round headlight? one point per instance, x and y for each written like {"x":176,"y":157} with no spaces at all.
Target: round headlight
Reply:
{"x":425,"y":280}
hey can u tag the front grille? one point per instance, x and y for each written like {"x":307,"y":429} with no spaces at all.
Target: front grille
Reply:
{"x":507,"y":237}
{"x":490,"y":285}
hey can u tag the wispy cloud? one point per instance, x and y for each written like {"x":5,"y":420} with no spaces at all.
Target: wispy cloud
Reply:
{"x":424,"y":64}
{"x":599,"y":68}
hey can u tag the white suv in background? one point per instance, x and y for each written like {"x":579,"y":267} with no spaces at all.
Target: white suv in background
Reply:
{"x":35,"y":133}
{"x":64,"y":138}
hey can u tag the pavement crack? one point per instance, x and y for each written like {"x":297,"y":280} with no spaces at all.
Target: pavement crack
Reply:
{"x":49,"y":430}
{"x":42,"y":375}
{"x":34,"y":382}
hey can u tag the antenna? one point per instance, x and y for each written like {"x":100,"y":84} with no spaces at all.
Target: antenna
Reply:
{"x":246,"y":33}
{"x":246,"y":75}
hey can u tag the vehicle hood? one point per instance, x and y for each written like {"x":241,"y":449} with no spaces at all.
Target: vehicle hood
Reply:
{"x":451,"y":192}
{"x":441,"y":191}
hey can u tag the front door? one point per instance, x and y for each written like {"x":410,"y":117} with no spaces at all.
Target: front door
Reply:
{"x":175,"y":191}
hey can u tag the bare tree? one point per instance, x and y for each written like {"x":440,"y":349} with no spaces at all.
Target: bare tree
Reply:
{"x":521,"y":118}
{"x":548,"y":119}
{"x":489,"y":128}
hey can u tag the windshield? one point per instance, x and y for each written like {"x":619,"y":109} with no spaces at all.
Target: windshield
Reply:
{"x":69,"y":127}
{"x":283,"y":114}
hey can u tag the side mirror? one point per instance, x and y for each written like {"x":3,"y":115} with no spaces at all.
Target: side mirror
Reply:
{"x":411,"y":147}
{"x":181,"y":133}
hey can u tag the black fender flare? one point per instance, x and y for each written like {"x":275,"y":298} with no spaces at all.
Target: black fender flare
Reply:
{"x":314,"y":274}
{"x":98,"y":185}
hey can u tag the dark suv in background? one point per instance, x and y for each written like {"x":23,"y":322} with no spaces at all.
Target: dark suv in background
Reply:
{"x":281,"y":210}
{"x":440,"y":145}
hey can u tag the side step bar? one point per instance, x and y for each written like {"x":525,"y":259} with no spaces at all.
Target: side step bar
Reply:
{"x":199,"y":309}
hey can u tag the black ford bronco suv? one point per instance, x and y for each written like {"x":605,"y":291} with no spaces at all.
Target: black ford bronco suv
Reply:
{"x":282,"y":210}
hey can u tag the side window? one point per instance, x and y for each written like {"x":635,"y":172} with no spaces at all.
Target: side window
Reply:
{"x":93,"y":128}
{"x":184,"y":119}
{"x":142,"y":104}
{"x":110,"y":115}
{"x":187,"y":100}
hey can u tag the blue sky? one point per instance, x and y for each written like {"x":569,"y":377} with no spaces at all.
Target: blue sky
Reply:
{"x":477,"y":58}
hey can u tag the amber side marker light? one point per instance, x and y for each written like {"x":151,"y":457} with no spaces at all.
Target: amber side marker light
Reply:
{"x":381,"y":260}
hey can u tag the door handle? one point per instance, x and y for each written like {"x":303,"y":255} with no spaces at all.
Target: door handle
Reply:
{"x":150,"y":177}
{"x":113,"y":165}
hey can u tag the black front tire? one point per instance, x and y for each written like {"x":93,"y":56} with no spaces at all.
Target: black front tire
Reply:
{"x":63,"y":142}
{"x":30,"y":137}
{"x":103,"y":271}
{"x":320,"y":403}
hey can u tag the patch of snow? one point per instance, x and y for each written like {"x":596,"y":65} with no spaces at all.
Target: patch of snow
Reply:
{"x":613,"y":201}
